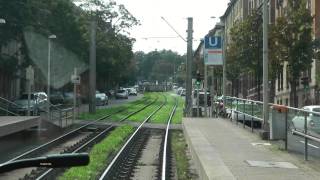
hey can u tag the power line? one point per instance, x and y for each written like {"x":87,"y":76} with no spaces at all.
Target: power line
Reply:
{"x":173,"y":28}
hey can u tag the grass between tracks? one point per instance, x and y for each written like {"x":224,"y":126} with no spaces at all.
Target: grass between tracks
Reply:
{"x":177,"y":117}
{"x":99,"y":155}
{"x":103,"y":112}
{"x":131,"y":109}
{"x":142,"y":115}
{"x":163,"y":114}
{"x":179,"y":149}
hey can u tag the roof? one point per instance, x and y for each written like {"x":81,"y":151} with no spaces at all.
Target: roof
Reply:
{"x":230,"y":4}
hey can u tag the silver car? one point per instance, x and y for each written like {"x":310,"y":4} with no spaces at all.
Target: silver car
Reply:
{"x":313,"y":120}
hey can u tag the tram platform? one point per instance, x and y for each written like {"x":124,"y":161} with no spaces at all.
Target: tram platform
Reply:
{"x":223,"y":150}
{"x":13,"y":124}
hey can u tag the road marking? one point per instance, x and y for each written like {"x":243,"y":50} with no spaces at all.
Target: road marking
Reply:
{"x":310,"y":145}
{"x":261,"y":144}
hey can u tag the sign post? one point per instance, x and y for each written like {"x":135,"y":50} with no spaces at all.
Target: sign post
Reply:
{"x":75,"y":79}
{"x":30,"y":82}
{"x":212,"y":56}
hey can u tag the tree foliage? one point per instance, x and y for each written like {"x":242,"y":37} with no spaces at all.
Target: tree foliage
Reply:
{"x":293,"y":41}
{"x":70,"y":23}
{"x":158,"y":65}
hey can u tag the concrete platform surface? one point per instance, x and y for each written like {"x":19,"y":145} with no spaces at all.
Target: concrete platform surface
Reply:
{"x":13,"y":124}
{"x":222,"y":150}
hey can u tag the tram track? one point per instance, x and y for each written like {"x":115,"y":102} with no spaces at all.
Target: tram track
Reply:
{"x":131,"y":162}
{"x":93,"y":134}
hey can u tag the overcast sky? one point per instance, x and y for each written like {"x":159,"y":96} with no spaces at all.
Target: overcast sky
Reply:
{"x":149,"y":13}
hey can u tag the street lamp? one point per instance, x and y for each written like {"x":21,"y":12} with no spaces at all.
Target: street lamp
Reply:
{"x":52,"y":36}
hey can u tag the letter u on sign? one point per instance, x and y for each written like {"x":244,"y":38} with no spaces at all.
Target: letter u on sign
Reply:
{"x":213,"y":41}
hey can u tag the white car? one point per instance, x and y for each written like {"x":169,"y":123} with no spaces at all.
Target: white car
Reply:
{"x":122,"y":94}
{"x":313,"y":120}
{"x":102,"y":99}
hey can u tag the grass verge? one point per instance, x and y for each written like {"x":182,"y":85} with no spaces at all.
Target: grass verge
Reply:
{"x":177,"y":117}
{"x":142,"y":115}
{"x":131,"y":109}
{"x":179,"y":148}
{"x":99,"y":155}
{"x":163,"y":114}
{"x":103,"y":112}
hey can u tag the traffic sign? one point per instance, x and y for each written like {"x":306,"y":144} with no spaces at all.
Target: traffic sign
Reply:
{"x":212,"y":42}
{"x":75,"y":79}
{"x":213,"y":50}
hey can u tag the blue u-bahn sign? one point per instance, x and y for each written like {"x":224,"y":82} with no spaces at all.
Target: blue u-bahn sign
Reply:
{"x":213,"y":50}
{"x":213,"y":42}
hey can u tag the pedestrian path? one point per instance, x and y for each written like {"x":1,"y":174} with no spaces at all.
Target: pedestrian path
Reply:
{"x":222,"y":150}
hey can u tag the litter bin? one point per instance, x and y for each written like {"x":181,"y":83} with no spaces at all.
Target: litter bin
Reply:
{"x":278,"y":129}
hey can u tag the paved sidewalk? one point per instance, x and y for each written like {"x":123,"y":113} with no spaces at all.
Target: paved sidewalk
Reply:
{"x":221,"y":150}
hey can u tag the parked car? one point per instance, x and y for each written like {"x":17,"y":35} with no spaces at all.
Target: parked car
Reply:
{"x":102,"y":99}
{"x":133,"y":92}
{"x":313,"y":120}
{"x":56,"y":97}
{"x":38,"y":103}
{"x":122,"y":94}
{"x":248,"y":109}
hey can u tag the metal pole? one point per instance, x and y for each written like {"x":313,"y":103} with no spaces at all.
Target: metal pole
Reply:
{"x":265,"y":66}
{"x":205,"y":90}
{"x":215,"y":107}
{"x":212,"y":92}
{"x":74,"y":97}
{"x":224,"y":71}
{"x":48,"y":85}
{"x":251,"y":117}
{"x":286,"y":130}
{"x":189,"y":67}
{"x":29,"y":96}
{"x":305,"y":139}
{"x":92,"y":74}
{"x":244,"y":116}
{"x":198,"y":105}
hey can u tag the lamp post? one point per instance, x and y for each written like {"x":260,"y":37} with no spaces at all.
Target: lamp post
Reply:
{"x":49,"y":72}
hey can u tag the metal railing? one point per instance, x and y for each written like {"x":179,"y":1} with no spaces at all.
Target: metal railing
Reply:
{"x":300,"y":122}
{"x":5,"y":107}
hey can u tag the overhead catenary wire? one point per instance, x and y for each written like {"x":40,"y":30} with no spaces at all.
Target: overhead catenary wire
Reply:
{"x":173,"y":29}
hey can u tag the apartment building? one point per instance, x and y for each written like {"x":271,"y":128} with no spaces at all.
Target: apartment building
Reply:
{"x":282,"y":90}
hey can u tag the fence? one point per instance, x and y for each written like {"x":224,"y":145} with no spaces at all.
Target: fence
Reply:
{"x":286,"y":123}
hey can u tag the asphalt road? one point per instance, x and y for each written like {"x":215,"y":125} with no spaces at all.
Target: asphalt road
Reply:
{"x":296,"y":144}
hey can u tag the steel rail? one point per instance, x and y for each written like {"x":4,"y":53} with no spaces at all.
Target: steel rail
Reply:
{"x":107,"y":170}
{"x":101,"y":134}
{"x":164,"y":157}
{"x":46,"y":173}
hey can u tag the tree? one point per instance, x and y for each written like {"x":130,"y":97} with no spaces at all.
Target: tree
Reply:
{"x":158,"y":65}
{"x":295,"y":42}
